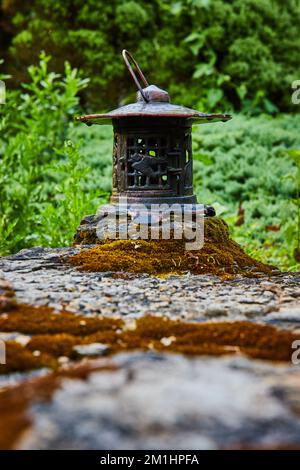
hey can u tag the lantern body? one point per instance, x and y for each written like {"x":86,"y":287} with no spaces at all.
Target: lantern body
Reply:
{"x":152,"y":160}
{"x":152,"y":149}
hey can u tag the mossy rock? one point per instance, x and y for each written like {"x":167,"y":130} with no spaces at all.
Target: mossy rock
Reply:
{"x":219,"y":255}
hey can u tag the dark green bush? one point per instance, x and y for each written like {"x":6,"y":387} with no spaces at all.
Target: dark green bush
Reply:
{"x":208,"y":53}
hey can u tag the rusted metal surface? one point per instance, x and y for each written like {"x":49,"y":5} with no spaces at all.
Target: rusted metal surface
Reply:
{"x":152,"y":153}
{"x":155,"y":109}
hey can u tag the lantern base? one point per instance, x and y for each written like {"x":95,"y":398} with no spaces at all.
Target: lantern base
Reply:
{"x":113,"y":221}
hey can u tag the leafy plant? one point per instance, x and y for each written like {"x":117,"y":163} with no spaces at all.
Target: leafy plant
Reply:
{"x":34,"y":124}
{"x":247,"y":168}
{"x":59,"y":217}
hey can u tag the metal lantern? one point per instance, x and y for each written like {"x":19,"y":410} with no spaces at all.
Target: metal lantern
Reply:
{"x":152,"y":148}
{"x":152,"y":151}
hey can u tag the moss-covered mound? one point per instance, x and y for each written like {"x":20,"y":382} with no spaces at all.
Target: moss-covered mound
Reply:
{"x":220,"y":255}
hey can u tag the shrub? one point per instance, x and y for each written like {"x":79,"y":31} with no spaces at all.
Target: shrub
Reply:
{"x":207,"y":53}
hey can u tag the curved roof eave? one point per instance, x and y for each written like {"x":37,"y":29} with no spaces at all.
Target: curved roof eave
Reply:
{"x":165,"y":110}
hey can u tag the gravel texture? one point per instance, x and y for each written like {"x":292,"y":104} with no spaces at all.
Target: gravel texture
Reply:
{"x":40,"y":278}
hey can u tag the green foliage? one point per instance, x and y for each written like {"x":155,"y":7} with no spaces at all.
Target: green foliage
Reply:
{"x":213,"y":54}
{"x":245,"y":164}
{"x":59,"y":218}
{"x":41,"y":199}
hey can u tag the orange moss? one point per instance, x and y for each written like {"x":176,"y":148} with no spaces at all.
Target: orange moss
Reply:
{"x":219,"y":255}
{"x":148,"y":333}
{"x":208,"y":338}
{"x":255,"y":340}
{"x":55,"y":335}
{"x":56,"y":345}
{"x":42,"y":320}
{"x":19,"y":359}
{"x":7,"y":295}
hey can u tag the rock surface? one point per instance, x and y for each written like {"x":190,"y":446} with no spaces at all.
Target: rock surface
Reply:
{"x":163,"y":401}
{"x":40,"y":277}
{"x":171,"y":402}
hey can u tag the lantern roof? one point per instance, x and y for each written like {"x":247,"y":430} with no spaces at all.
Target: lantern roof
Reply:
{"x":152,"y":102}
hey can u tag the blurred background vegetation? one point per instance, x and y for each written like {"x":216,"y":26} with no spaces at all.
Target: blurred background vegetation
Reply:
{"x":238,"y":56}
{"x":224,"y":52}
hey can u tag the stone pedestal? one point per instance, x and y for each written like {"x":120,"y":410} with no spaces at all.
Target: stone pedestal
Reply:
{"x":92,"y":228}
